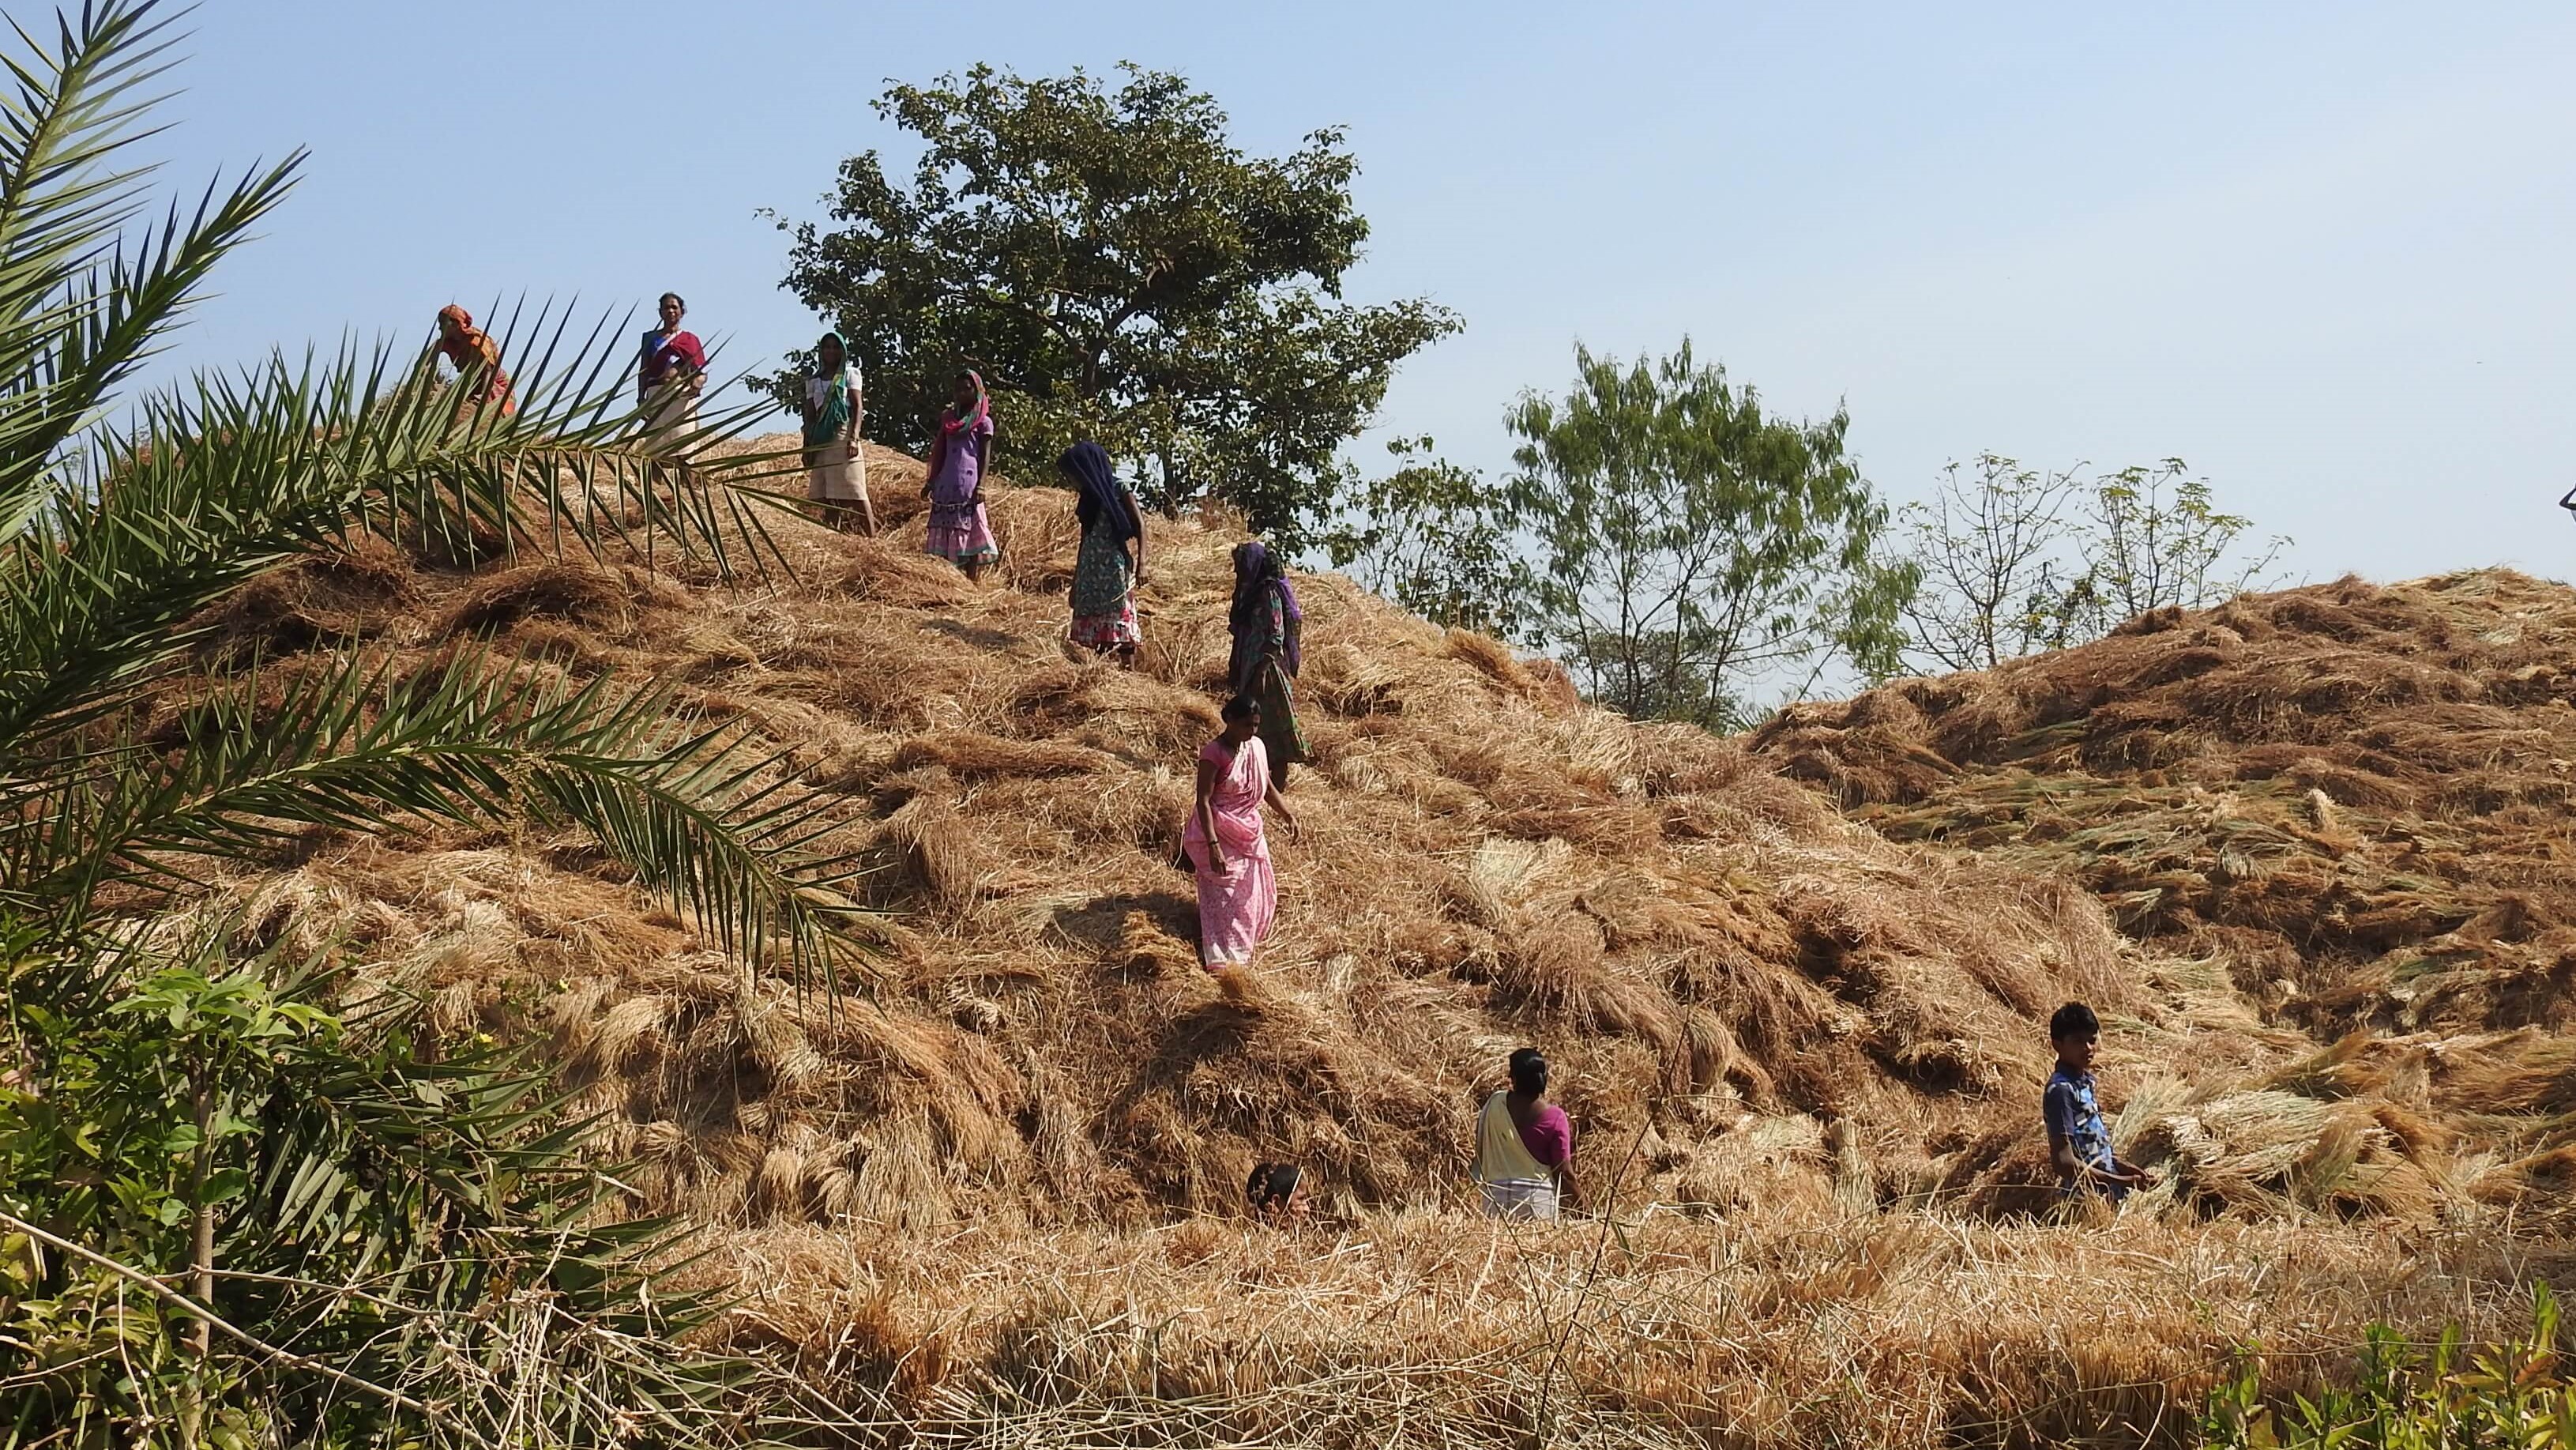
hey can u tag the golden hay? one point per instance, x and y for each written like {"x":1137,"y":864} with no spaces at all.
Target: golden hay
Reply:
{"x":1827,"y":1036}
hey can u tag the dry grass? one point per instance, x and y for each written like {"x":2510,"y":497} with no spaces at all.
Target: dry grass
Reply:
{"x":2352,"y":800}
{"x":1869,"y":1330}
{"x":1809,"y":1054}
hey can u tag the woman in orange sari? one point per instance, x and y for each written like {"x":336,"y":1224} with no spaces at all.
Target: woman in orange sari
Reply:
{"x":469,"y":348}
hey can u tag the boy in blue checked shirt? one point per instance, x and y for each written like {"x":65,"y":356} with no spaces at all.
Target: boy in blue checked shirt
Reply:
{"x":2079,"y":1142}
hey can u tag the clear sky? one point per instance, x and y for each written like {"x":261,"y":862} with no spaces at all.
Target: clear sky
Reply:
{"x":2324,"y":253}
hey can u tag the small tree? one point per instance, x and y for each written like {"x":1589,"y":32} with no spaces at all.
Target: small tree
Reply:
{"x":1986,"y":546}
{"x":2156,"y":540}
{"x":1436,"y":539}
{"x":1693,"y":546}
{"x":2015,"y":559}
{"x":1118,"y":270}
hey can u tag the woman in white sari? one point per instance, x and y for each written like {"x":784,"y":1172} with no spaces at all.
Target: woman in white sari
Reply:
{"x":1524,"y":1146}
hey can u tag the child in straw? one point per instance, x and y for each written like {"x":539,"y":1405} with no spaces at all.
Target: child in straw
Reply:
{"x":2079,"y":1142}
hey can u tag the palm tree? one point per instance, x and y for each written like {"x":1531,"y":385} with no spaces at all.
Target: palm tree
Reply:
{"x":227,"y":1207}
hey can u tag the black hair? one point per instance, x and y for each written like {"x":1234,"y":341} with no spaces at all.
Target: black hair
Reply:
{"x":1239,"y":707}
{"x":2073,"y":1020}
{"x":1529,"y":1071}
{"x":673,"y":297}
{"x":1271,"y":1185}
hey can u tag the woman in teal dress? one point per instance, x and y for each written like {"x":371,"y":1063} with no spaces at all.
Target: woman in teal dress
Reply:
{"x":1111,"y":561}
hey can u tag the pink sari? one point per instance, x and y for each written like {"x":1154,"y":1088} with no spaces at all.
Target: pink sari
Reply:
{"x":1235,"y":906}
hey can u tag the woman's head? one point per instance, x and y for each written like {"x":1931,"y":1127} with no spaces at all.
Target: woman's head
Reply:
{"x":963,"y":392}
{"x":1529,"y":1072}
{"x":1251,"y":561}
{"x":1084,"y":465}
{"x":453,"y":319}
{"x":830,"y":353}
{"x":1242,"y":716}
{"x":1278,"y":1193}
{"x":673,"y":309}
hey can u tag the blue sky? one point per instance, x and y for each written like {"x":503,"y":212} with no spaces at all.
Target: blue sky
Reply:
{"x":2326,"y":254}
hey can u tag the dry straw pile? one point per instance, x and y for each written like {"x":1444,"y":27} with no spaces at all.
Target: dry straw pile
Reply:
{"x":1807,"y":1049}
{"x":2352,"y":800}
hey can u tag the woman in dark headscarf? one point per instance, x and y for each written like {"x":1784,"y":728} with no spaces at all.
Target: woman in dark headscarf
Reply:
{"x":1266,"y":624}
{"x":1105,"y":573}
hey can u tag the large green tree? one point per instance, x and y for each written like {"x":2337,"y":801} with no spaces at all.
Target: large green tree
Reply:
{"x":237,"y":1208}
{"x":1694,"y":549}
{"x":1117,"y":269}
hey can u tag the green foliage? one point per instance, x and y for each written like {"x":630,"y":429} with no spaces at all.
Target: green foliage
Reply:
{"x":2014,"y":559}
{"x":2516,"y":1393}
{"x":1438,"y":540}
{"x":241,"y":1201}
{"x":1694,"y":547}
{"x":1116,"y":269}
{"x":391,"y":1219}
{"x":2157,"y":541}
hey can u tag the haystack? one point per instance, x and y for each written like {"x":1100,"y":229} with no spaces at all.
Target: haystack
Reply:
{"x":2351,"y":799}
{"x":1751,"y":1001}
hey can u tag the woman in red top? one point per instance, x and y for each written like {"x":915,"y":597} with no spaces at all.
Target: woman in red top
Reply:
{"x":671,"y":373}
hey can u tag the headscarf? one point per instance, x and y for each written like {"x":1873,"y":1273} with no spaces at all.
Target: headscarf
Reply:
{"x":1257,"y":572}
{"x":834,"y":415}
{"x":962,"y":429}
{"x":1099,"y":493}
{"x":467,"y":345}
{"x":471,"y":347}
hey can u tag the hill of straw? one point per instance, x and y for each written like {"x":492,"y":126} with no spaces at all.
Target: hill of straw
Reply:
{"x":2351,"y":801}
{"x":990,"y":1187}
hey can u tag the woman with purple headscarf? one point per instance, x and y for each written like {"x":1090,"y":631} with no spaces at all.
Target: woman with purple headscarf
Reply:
{"x":1266,"y":624}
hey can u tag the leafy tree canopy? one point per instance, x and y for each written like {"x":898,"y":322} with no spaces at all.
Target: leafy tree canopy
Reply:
{"x":1116,"y":269}
{"x":1437,"y":539}
{"x":1693,"y":545}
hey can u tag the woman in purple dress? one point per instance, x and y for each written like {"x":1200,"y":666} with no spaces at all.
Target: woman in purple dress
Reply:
{"x":959,"y":531}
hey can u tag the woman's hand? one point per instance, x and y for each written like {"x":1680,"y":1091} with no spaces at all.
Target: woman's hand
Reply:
{"x":1290,"y":822}
{"x":1216,"y":857}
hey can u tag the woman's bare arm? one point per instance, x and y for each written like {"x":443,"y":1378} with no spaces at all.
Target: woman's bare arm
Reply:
{"x":1279,"y":803}
{"x":1206,"y":810}
{"x":1138,"y":514}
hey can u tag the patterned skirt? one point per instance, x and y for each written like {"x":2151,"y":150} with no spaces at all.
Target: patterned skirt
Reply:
{"x":1104,"y":596}
{"x":1277,"y":696}
{"x":959,"y":533}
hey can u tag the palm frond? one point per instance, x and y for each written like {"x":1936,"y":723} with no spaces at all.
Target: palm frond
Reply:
{"x":701,"y":818}
{"x":218,"y":483}
{"x":66,"y":332}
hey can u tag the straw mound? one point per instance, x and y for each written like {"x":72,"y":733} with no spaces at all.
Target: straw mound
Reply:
{"x":1803,"y":1045}
{"x":2351,"y":799}
{"x":1752,"y":1003}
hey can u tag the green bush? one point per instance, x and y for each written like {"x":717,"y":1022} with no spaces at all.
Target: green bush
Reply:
{"x":2405,"y":1397}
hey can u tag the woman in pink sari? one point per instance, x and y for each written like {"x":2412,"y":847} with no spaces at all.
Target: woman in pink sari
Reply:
{"x":1227,"y":847}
